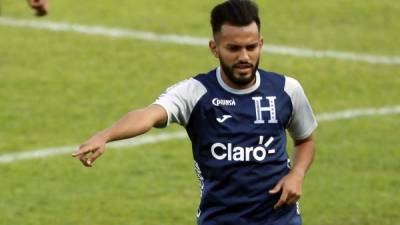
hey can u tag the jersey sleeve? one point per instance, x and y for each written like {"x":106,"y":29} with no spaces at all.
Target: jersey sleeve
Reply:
{"x":302,"y":122}
{"x":180,"y":99}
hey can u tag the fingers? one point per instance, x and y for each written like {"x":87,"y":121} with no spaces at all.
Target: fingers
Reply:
{"x":84,"y":160}
{"x":38,"y":3}
{"x":83,"y":149}
{"x":290,"y":194}
{"x":43,"y":9}
{"x":282,"y":200}
{"x":41,"y":6}
{"x":88,"y":154}
{"x":84,"y":153}
{"x":94,"y":156}
{"x":33,"y":3}
{"x":41,"y":12}
{"x":277,"y":188}
{"x":292,"y":200}
{"x":288,"y":198}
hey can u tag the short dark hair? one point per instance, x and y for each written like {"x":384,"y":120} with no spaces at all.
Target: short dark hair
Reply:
{"x":234,"y":12}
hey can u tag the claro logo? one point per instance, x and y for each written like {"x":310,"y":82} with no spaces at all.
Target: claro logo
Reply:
{"x":230,"y":152}
{"x":223,"y":102}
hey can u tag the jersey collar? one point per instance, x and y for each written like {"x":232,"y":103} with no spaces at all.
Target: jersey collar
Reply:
{"x":238,"y":91}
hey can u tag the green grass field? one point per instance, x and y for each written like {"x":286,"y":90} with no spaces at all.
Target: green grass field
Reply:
{"x":58,"y":88}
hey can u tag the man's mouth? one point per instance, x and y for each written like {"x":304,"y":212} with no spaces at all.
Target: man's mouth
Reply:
{"x":243,"y":68}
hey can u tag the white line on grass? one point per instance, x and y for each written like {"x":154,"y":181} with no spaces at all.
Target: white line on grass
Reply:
{"x":138,"y":141}
{"x":189,"y":40}
{"x":152,"y":139}
{"x":354,"y":113}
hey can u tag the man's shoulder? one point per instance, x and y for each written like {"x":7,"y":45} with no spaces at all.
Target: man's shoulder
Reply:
{"x":205,"y":78}
{"x":272,"y":80}
{"x":270,"y":75}
{"x":283,"y":80}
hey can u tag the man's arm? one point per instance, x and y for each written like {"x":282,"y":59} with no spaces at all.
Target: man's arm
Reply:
{"x":291,"y":184}
{"x":132,"y":124}
{"x":41,"y":6}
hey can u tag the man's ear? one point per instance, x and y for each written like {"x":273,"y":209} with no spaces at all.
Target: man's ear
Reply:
{"x":213,"y":48}
{"x":261,"y":42}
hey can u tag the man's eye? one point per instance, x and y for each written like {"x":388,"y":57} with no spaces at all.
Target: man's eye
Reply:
{"x":251,"y":47}
{"x":233,"y":48}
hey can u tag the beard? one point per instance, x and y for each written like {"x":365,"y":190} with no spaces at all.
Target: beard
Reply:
{"x":240,"y":79}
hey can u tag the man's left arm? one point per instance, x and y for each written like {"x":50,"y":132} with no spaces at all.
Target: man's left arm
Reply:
{"x":291,"y":184}
{"x":301,"y":125}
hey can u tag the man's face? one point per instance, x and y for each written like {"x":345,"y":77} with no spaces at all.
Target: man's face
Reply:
{"x":238,"y":50}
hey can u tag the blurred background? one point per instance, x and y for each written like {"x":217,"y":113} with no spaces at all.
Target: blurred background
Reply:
{"x":84,"y":65}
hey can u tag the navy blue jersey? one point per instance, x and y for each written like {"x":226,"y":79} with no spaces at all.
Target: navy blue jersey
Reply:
{"x":239,"y":141}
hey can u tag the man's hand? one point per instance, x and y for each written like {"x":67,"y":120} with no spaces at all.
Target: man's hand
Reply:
{"x":91,"y":150}
{"x":41,"y":6}
{"x":291,"y":186}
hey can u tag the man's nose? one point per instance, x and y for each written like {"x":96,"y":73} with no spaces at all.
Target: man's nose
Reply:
{"x":244,"y":55}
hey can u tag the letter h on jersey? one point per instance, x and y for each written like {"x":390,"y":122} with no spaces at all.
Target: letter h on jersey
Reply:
{"x":259,"y":109}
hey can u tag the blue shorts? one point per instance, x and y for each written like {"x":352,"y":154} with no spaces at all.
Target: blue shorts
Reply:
{"x":286,"y":215}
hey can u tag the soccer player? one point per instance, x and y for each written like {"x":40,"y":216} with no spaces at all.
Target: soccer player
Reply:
{"x":41,"y":6}
{"x":236,"y":116}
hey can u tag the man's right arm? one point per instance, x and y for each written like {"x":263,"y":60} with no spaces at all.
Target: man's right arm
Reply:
{"x":132,"y":124}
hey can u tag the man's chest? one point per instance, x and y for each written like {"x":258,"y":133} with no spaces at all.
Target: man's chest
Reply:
{"x":235,"y":114}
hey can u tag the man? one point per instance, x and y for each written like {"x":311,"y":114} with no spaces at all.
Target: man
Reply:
{"x":236,"y":117}
{"x":41,"y":6}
